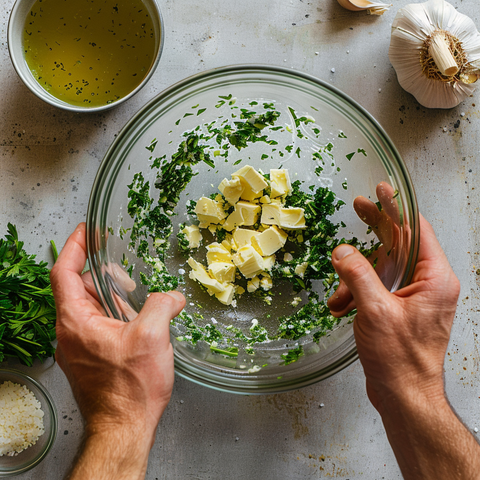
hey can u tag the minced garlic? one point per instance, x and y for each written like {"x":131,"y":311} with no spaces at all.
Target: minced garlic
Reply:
{"x":21,"y":419}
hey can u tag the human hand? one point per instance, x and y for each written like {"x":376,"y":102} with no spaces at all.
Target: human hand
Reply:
{"x":401,"y":337}
{"x":401,"y":340}
{"x":121,"y":373}
{"x":385,"y":224}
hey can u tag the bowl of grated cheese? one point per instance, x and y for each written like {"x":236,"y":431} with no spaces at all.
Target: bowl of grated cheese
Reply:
{"x":234,"y":186}
{"x":28,"y":422}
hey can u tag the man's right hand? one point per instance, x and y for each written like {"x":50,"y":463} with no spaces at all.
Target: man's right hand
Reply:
{"x":401,"y":337}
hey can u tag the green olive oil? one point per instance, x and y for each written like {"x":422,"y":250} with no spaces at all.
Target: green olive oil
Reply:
{"x":89,"y":52}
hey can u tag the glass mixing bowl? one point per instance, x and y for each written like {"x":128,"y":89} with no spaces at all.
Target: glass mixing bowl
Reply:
{"x":362,"y":157}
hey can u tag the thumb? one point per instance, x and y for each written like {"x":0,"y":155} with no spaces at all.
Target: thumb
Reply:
{"x":161,"y":306}
{"x":359,"y":276}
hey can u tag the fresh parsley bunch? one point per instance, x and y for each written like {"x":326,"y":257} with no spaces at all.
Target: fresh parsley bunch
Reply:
{"x":27,"y":307}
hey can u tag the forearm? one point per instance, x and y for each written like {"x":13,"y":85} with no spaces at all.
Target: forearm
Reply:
{"x":113,"y":454}
{"x":428,"y":439}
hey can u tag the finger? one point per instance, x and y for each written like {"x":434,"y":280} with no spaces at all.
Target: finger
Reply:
{"x":340,"y":300}
{"x":153,"y":321}
{"x":89,"y":285}
{"x":98,"y":306}
{"x":385,"y":195}
{"x":359,"y":276}
{"x":73,"y":255}
{"x":429,"y":246}
{"x":92,"y":294}
{"x":380,"y":222}
{"x":121,"y":277}
{"x":67,"y":284}
{"x":367,"y":211}
{"x":161,"y":306}
{"x":432,"y":264}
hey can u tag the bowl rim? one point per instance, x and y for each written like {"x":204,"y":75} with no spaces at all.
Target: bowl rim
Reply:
{"x":195,"y":374}
{"x":54,"y":422}
{"x":31,"y":83}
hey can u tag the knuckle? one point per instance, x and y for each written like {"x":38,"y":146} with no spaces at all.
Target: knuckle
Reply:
{"x":357,"y":270}
{"x":143,"y":330}
{"x":163,"y":300}
{"x":455,"y":287}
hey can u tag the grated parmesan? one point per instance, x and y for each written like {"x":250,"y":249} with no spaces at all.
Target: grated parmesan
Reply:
{"x":21,"y":420}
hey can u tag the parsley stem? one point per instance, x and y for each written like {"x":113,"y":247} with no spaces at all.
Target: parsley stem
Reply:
{"x":54,"y":251}
{"x":229,"y":353}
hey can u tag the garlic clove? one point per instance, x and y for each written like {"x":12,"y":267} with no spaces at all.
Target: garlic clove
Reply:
{"x":468,"y":78}
{"x":372,"y":8}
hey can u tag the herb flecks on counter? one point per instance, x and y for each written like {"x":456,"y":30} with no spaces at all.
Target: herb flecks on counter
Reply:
{"x":27,"y":307}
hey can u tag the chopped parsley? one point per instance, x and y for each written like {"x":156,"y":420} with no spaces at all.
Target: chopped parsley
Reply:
{"x":27,"y":306}
{"x":153,"y":227}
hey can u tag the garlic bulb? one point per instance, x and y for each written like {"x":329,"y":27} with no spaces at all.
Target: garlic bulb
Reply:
{"x":372,"y":8}
{"x":436,"y":53}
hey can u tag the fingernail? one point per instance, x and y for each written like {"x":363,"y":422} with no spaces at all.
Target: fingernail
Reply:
{"x":343,"y":251}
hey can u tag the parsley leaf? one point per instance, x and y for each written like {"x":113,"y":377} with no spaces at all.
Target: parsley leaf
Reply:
{"x":27,"y":307}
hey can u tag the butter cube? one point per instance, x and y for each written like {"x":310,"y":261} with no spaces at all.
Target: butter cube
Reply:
{"x":253,"y":284}
{"x":200,"y":274}
{"x":292,"y":218}
{"x":269,"y":241}
{"x":271,"y":214}
{"x":227,"y":244}
{"x":212,"y":229}
{"x":248,"y":261}
{"x":216,"y":252}
{"x":249,"y":176}
{"x":268,"y":262}
{"x":245,"y":214}
{"x":193,"y":235}
{"x":226,"y":297}
{"x":243,"y":236}
{"x":249,"y":195}
{"x":224,"y":272}
{"x":231,"y":189}
{"x":209,"y":211}
{"x":279,"y":182}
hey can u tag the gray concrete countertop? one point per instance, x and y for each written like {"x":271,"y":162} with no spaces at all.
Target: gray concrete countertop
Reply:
{"x":49,"y":158}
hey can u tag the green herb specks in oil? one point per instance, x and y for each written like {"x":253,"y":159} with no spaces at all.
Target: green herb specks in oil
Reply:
{"x":89,"y":55}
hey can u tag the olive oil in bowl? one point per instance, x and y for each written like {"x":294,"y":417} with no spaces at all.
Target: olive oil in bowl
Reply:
{"x":90,"y":53}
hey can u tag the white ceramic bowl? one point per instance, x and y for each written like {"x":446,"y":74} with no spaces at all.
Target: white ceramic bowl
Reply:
{"x":16,"y":25}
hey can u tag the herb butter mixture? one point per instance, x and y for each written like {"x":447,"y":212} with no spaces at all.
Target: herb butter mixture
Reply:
{"x":258,"y":230}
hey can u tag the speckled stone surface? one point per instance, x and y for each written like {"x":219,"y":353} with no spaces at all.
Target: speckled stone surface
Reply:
{"x":48,"y":160}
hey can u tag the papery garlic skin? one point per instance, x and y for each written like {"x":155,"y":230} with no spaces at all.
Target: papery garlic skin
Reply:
{"x":372,"y":8}
{"x":413,"y":28}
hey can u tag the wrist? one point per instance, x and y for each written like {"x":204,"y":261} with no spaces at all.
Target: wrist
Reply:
{"x":403,"y":410}
{"x":412,"y":400}
{"x":114,"y":452}
{"x":428,"y":439}
{"x":129,"y":435}
{"x":405,"y":390}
